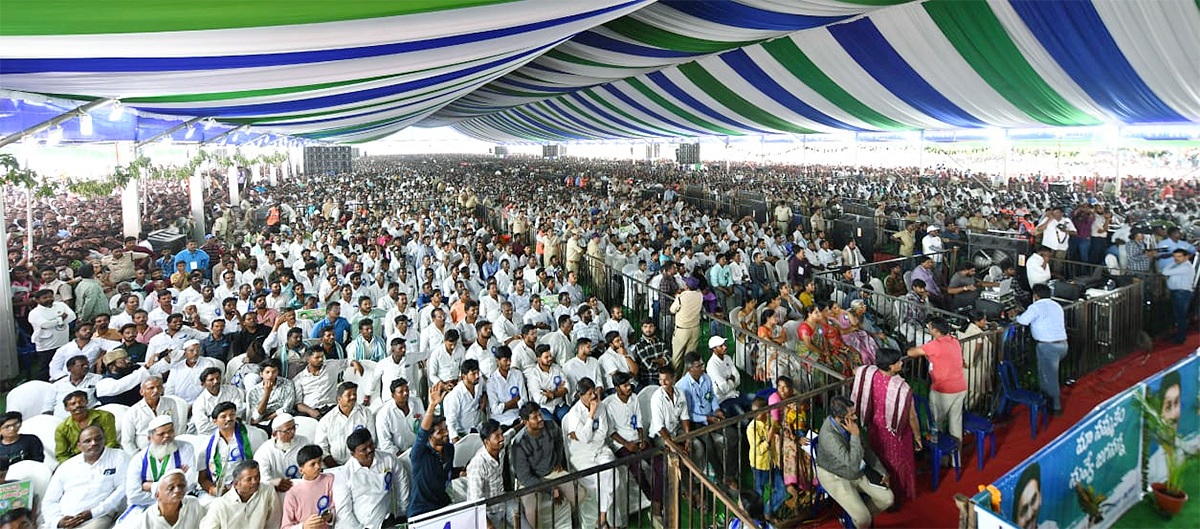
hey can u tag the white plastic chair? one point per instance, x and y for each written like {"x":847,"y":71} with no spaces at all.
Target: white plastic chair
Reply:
{"x":199,"y":443}
{"x":30,"y":398}
{"x":644,"y":396}
{"x":43,"y":427}
{"x":37,"y":474}
{"x":350,"y":376}
{"x":257,"y":437}
{"x":306,"y":426}
{"x":465,"y":449}
{"x":118,"y":411}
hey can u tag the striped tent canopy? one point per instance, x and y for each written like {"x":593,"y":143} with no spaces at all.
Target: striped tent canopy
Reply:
{"x":569,"y":70}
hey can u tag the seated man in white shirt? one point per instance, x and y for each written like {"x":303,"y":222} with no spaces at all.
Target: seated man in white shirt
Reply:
{"x":485,"y":477}
{"x":228,"y":445}
{"x":506,"y":390}
{"x":582,"y":365}
{"x":277,"y":457}
{"x":88,"y":490}
{"x":548,"y":385}
{"x":366,"y":489}
{"x":725,"y":378}
{"x":396,"y":420}
{"x":316,"y":385}
{"x":344,"y":418}
{"x":444,"y":361}
{"x":616,"y":359}
{"x":249,"y":503}
{"x":483,"y":349}
{"x":465,"y":404}
{"x":172,"y":508}
{"x":148,"y":466}
{"x":588,"y":427}
{"x":214,"y":392}
{"x":153,"y":405}
{"x":184,"y":381}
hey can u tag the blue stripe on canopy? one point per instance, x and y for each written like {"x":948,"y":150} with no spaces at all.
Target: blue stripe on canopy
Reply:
{"x":642,"y":108}
{"x":316,"y":103}
{"x":749,"y":70}
{"x":863,"y":41}
{"x":609,"y":44}
{"x":1075,"y":35}
{"x":744,"y":16}
{"x":167,"y":64}
{"x":684,"y":97}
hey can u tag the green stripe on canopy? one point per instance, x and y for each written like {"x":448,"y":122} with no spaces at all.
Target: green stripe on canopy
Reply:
{"x":82,"y":17}
{"x":979,"y":37}
{"x":787,"y":54}
{"x":679,"y":112}
{"x":715,"y":89}
{"x":654,"y":36}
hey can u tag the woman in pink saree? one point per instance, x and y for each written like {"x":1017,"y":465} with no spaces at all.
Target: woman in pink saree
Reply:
{"x":884,"y":400}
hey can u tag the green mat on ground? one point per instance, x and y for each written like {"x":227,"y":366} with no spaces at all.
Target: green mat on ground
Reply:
{"x":1145,"y":514}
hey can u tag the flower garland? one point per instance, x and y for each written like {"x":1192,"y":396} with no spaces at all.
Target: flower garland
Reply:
{"x":124,"y":174}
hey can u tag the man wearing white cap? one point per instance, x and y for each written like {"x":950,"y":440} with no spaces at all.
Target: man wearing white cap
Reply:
{"x":184,"y":381}
{"x":277,"y":457}
{"x":725,"y":378}
{"x":931,"y":245}
{"x":148,"y":466}
{"x":171,"y":502}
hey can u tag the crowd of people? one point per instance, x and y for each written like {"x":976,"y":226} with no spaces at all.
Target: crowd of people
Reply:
{"x":398,"y":311}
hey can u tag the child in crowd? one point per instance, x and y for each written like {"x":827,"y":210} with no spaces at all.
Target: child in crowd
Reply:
{"x":763,"y":436}
{"x":309,"y":503}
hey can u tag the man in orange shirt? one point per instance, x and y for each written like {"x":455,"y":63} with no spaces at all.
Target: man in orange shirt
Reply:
{"x":948,"y":384}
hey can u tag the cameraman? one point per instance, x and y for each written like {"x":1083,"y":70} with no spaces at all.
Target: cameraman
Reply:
{"x":1056,"y":232}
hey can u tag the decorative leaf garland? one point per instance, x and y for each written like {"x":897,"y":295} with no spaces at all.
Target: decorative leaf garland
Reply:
{"x":123,"y":174}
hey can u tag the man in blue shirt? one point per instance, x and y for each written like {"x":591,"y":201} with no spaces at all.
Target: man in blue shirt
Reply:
{"x":1167,"y":247}
{"x":1048,"y":326}
{"x":193,"y":258}
{"x":432,"y":459}
{"x":1181,"y":282}
{"x":715,"y":448}
{"x":333,"y":319}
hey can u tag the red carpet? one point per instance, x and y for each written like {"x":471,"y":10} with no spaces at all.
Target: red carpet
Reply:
{"x":1013,"y":445}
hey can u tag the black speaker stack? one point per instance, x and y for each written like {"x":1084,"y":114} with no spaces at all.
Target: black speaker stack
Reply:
{"x":500,"y":150}
{"x":324,"y":160}
{"x":553,"y":151}
{"x":688,"y":154}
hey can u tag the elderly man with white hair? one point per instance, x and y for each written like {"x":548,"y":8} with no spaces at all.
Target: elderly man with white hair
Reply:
{"x":87,"y":491}
{"x":277,"y":457}
{"x":172,"y":509}
{"x":249,"y":504}
{"x":184,"y":381}
{"x":154,"y":404}
{"x":150,"y":465}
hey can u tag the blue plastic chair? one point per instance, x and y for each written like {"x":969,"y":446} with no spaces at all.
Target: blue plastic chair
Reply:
{"x":983,"y":431}
{"x":946,"y":445}
{"x":1011,"y":394}
{"x":765,"y":393}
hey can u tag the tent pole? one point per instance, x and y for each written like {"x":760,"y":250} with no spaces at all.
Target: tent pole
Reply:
{"x":65,"y":116}
{"x":166,"y":133}
{"x":9,"y":364}
{"x":223,"y":134}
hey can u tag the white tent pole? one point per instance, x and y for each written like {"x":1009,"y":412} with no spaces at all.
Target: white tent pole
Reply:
{"x":9,"y":363}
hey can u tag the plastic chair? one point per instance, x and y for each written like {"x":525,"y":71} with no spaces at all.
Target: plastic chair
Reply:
{"x":256,"y":437}
{"x":643,"y":398}
{"x":118,"y":411}
{"x":30,"y":398}
{"x":349,"y":375}
{"x":37,"y":474}
{"x":1011,"y":394}
{"x":199,"y":443}
{"x":983,"y":430}
{"x":307,"y":427}
{"x":946,"y":445}
{"x":465,"y":449}
{"x":43,"y":427}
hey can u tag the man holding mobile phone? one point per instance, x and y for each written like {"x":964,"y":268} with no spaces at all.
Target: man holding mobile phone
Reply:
{"x":843,"y":462}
